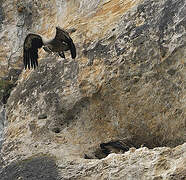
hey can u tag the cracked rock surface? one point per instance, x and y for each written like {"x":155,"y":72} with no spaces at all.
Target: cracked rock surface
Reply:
{"x":115,"y":112}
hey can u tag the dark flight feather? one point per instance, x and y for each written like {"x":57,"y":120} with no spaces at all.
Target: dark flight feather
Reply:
{"x":64,"y":36}
{"x":72,"y":50}
{"x":30,"y":53}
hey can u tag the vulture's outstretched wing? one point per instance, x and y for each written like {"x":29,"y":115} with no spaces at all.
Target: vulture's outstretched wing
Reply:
{"x":30,"y":53}
{"x":62,"y":35}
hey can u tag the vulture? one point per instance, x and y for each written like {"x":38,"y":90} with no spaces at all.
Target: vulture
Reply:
{"x":60,"y":43}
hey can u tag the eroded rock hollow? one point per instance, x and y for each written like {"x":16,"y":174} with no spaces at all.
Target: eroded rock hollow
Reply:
{"x":101,"y":114}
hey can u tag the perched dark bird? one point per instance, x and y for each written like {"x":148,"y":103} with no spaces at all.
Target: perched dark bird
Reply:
{"x":60,"y":43}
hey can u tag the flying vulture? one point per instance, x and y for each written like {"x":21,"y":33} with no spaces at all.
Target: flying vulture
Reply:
{"x":60,"y":43}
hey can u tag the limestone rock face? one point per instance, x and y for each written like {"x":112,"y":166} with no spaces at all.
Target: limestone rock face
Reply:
{"x":143,"y":163}
{"x":2,"y":123}
{"x":126,"y":88}
{"x":17,"y":19}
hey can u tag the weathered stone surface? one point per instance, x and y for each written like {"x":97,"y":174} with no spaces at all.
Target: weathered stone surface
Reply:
{"x":2,"y":122}
{"x":137,"y":164}
{"x":41,"y":168}
{"x":126,"y":88}
{"x":17,"y":19}
{"x":1,"y":15}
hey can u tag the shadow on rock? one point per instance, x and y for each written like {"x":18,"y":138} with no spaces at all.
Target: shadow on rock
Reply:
{"x":35,"y":168}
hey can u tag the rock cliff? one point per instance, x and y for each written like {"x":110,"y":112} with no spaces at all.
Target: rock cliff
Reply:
{"x":89,"y":118}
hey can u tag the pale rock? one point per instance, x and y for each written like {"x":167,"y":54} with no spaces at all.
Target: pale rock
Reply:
{"x":106,"y":110}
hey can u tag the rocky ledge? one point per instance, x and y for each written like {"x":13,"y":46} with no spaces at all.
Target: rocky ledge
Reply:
{"x":115,"y":112}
